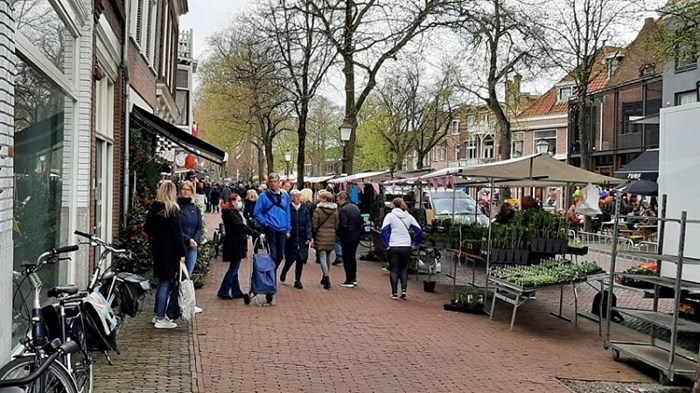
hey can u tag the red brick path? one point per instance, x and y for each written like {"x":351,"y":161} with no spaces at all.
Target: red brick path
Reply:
{"x":359,"y":340}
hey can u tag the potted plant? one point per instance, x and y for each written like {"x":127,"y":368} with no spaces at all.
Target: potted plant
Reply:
{"x":430,"y":260}
{"x":467,"y":300}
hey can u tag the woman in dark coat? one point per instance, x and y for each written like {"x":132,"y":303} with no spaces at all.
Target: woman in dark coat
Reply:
{"x":297,"y":246}
{"x":165,"y":233}
{"x":235,"y":246}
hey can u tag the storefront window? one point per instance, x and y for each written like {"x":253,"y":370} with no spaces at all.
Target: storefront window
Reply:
{"x":39,"y":23}
{"x":38,"y":163}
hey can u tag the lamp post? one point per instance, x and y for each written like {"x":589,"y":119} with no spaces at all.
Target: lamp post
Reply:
{"x":287,"y":159}
{"x":542,"y":146}
{"x":345,"y":131}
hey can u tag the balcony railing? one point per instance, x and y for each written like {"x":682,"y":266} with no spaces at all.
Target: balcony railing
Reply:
{"x":184,"y":47}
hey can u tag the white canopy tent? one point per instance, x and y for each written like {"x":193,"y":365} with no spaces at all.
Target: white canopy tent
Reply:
{"x":317,"y":179}
{"x":357,"y":177}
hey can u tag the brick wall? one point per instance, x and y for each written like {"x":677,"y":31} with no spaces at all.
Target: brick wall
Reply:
{"x":7,"y":115}
{"x":141,"y":76}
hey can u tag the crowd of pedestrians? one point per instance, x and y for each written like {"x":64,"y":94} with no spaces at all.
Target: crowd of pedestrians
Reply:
{"x":286,"y":222}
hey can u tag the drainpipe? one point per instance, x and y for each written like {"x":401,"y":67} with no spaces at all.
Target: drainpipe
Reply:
{"x":127,"y":110}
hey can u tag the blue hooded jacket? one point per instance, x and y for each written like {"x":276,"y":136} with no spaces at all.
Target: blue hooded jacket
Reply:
{"x":270,"y":214}
{"x":190,"y":220}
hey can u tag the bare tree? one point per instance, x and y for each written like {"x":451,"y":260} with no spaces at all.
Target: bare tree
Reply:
{"x":322,"y":135}
{"x":246,"y":71}
{"x":499,"y":35}
{"x":416,"y":114}
{"x":367,"y":33}
{"x":574,"y":34}
{"x":305,"y":56}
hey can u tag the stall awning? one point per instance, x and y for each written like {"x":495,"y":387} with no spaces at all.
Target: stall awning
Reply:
{"x":644,"y":167}
{"x":653,"y":119}
{"x":183,"y":139}
{"x":537,"y":170}
{"x":364,"y":177}
{"x":317,"y":179}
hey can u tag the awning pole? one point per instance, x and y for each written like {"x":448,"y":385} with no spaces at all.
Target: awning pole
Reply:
{"x":488,"y":251}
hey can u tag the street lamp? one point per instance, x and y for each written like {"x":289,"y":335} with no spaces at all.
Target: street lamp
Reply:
{"x":287,"y":159}
{"x":345,"y":131}
{"x":542,"y":146}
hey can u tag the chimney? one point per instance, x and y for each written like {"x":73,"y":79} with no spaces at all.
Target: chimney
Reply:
{"x":513,"y":89}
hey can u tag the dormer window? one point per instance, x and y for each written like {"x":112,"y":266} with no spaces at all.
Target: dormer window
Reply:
{"x":612,"y":63}
{"x":565,"y":93}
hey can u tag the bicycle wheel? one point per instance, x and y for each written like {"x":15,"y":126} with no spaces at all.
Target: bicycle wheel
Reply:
{"x":81,"y":365}
{"x":55,"y":379}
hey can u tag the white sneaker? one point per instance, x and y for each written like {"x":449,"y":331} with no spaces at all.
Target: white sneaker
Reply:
{"x":154,"y":319}
{"x":197,"y":310}
{"x":165,"y":323}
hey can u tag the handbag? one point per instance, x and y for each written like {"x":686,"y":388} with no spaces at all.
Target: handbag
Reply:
{"x":185,"y":295}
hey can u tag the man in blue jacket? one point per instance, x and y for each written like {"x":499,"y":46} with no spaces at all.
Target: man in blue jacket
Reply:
{"x":273,"y":216}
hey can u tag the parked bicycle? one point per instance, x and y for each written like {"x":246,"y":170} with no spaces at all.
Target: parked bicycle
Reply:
{"x":73,"y":373}
{"x":124,"y":292}
{"x":48,"y":370}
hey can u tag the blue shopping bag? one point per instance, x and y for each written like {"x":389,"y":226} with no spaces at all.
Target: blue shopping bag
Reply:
{"x":264,"y":277}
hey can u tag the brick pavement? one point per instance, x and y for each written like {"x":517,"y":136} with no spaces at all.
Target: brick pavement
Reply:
{"x":359,"y":340}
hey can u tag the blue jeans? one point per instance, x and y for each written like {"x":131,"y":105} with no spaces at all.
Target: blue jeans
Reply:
{"x":276,"y":241}
{"x":338,"y":250}
{"x":230,"y":285}
{"x":191,"y":260}
{"x":162,"y":297}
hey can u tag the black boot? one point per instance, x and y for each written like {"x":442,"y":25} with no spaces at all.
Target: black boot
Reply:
{"x":327,"y":284}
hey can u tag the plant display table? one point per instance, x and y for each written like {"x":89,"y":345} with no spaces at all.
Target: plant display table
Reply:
{"x":517,"y":284}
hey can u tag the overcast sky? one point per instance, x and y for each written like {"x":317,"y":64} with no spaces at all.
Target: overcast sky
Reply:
{"x":207,"y":17}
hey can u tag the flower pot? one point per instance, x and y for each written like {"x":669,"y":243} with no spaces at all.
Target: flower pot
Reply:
{"x":429,"y":286}
{"x":509,"y":256}
{"x":471,"y":251}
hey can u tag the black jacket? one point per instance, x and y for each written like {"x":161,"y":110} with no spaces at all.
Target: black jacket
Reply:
{"x":297,"y":248}
{"x":351,"y":222}
{"x":165,"y":234}
{"x":236,"y":240}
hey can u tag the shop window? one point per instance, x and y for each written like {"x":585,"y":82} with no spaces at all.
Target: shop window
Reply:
{"x":38,"y":168}
{"x":43,"y":28}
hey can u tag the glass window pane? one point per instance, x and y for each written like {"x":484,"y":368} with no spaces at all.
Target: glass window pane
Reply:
{"x":38,"y":164}
{"x":40,"y":24}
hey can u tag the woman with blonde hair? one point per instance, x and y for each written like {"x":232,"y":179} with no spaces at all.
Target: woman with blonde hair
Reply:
{"x":251,"y":198}
{"x":307,"y":199}
{"x":324,"y":228}
{"x":165,"y":233}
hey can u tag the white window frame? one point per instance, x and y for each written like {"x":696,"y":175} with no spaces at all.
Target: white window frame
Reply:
{"x":457,"y":150}
{"x":472,"y":148}
{"x":546,"y":135}
{"x":454,"y":127}
{"x":560,"y":97}
{"x":488,"y":150}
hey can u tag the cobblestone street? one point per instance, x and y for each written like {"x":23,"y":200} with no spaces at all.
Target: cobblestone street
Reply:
{"x":358,"y":340}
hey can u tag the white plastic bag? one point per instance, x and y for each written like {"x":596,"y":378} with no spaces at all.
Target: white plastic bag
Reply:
{"x":588,"y":205}
{"x":185,"y":295}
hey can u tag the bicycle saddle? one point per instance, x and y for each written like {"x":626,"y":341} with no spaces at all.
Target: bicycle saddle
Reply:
{"x":63,"y":290}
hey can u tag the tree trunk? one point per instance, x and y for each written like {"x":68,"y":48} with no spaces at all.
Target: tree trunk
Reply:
{"x":261,"y":162}
{"x":349,"y":73}
{"x":419,"y":161}
{"x":301,"y":154}
{"x":269,"y":157}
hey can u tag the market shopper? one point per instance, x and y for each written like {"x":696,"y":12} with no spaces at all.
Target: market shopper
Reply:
{"x":165,"y":234}
{"x":325,"y":227}
{"x":349,"y":233}
{"x":235,"y":246}
{"x":191,"y":221}
{"x":272,"y":215}
{"x":396,"y":238}
{"x":297,"y":247}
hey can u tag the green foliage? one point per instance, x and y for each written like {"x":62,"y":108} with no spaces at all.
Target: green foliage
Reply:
{"x":372,"y":148}
{"x":468,"y":295}
{"x":546,"y":273}
{"x":681,"y":35}
{"x":445,"y":232}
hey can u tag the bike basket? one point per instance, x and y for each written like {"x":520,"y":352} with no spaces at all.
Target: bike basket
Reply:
{"x":100,"y":323}
{"x":132,"y":293}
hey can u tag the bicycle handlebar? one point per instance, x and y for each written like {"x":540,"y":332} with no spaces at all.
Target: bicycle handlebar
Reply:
{"x":101,"y":242}
{"x":63,"y":250}
{"x":65,"y":348}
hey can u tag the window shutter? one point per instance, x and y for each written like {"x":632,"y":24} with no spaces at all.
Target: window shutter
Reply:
{"x":149,"y":29}
{"x":139,"y":21}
